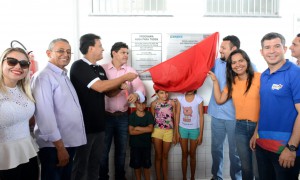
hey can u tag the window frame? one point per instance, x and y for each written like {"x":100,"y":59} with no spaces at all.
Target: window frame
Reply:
{"x":274,"y":9}
{"x":130,"y":12}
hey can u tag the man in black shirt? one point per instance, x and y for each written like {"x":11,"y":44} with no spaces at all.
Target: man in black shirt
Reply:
{"x":91,"y":84}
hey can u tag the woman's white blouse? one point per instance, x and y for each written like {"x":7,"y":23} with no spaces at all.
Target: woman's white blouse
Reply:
{"x":16,"y":143}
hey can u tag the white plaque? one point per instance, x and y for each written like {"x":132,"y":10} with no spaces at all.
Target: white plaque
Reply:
{"x":146,"y":51}
{"x":177,"y":43}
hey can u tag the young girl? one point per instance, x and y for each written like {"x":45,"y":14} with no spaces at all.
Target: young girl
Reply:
{"x":189,"y":112}
{"x":242,"y":86}
{"x":163,"y":111}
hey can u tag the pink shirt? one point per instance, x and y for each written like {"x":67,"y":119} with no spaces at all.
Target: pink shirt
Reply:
{"x":119,"y":102}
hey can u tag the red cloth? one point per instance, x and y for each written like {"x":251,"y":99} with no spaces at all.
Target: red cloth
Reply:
{"x":188,"y":70}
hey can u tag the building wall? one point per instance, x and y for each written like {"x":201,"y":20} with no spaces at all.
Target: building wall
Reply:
{"x":188,"y":17}
{"x":35,"y":23}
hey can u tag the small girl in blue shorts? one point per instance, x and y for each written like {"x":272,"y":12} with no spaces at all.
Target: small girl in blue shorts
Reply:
{"x":163,"y":111}
{"x":189,"y":112}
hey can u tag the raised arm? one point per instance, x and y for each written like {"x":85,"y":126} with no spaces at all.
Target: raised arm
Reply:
{"x":220,"y":97}
{"x":115,"y":92}
{"x":107,"y":85}
{"x":138,"y":90}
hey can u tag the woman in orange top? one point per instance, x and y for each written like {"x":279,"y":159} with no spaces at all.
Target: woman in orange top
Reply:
{"x":243,"y":87}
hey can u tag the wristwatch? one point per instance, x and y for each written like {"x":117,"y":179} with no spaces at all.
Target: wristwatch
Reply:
{"x":292,"y":148}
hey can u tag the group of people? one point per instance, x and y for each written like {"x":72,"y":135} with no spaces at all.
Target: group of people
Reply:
{"x":77,"y":119}
{"x":258,"y":112}
{"x":69,"y":113}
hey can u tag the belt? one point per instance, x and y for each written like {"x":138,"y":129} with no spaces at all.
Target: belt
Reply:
{"x":246,"y":120}
{"x":116,"y":114}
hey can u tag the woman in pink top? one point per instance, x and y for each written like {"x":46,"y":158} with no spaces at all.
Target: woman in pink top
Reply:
{"x":243,"y":87}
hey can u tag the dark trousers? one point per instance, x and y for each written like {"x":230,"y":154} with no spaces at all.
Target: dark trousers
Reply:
{"x":270,"y":169}
{"x":29,"y":170}
{"x":116,"y":129}
{"x":87,"y":158}
{"x":49,"y":161}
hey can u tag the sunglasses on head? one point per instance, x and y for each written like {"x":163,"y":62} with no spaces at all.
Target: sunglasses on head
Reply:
{"x":12,"y":62}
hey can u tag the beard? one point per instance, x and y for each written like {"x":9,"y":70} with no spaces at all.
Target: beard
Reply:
{"x":223,"y":58}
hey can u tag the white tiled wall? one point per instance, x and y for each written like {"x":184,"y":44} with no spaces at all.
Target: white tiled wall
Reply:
{"x":204,"y":160}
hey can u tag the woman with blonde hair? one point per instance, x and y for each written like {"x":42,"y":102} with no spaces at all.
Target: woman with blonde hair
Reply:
{"x":18,"y":153}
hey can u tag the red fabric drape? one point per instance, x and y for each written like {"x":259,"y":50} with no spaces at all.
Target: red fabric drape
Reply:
{"x":186,"y":71}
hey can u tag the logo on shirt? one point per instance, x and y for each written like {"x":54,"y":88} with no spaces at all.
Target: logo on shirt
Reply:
{"x":101,"y":74}
{"x":277,"y":86}
{"x":187,"y":111}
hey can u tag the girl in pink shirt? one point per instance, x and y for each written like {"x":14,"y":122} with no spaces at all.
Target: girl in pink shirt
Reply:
{"x":163,"y":111}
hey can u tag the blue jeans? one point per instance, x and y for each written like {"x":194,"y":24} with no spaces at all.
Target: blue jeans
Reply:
{"x":49,"y":168}
{"x":269,"y":168}
{"x":117,"y":129}
{"x":243,"y":132}
{"x":87,"y":158}
{"x":219,"y":129}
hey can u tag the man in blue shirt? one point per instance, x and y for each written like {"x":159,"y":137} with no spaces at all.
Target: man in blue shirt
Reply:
{"x":223,"y":118}
{"x":277,"y":151}
{"x":60,"y":127}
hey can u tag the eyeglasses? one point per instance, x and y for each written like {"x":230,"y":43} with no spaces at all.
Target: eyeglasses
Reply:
{"x":13,"y":62}
{"x":61,"y":51}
